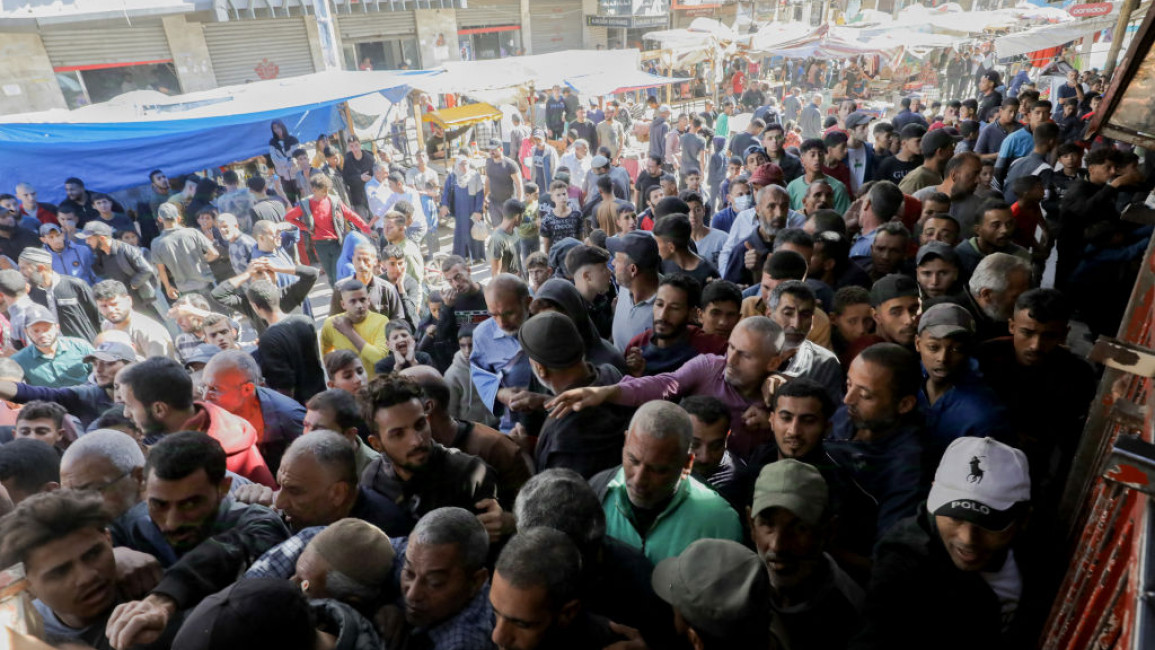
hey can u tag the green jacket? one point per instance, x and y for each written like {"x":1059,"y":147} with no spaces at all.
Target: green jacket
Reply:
{"x":696,"y":512}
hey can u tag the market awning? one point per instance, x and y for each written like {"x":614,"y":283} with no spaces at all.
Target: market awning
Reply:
{"x":1040,"y":38}
{"x":116,"y":144}
{"x":610,"y":82}
{"x":462,"y":116}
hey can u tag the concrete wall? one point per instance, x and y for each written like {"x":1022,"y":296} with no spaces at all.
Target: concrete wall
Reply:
{"x":27,"y":82}
{"x":526,"y":28}
{"x":190,"y":54}
{"x":437,"y":36}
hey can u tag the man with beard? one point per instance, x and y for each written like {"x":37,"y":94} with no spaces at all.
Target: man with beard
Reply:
{"x":463,"y":305}
{"x":753,"y":355}
{"x":79,"y":201}
{"x":819,"y":196}
{"x":69,"y":298}
{"x":875,"y":436}
{"x":50,"y":359}
{"x":14,"y":239}
{"x":61,"y":539}
{"x":791,"y":522}
{"x":791,"y":305}
{"x":714,"y":465}
{"x":996,"y":284}
{"x":157,"y":395}
{"x":190,"y":523}
{"x":86,"y":401}
{"x":993,"y":234}
{"x":955,"y":400}
{"x":115,"y":304}
{"x":672,"y":341}
{"x":636,"y":264}
{"x":414,"y":472}
{"x":650,"y":503}
{"x":1045,"y":386}
{"x":772,"y":212}
{"x":586,"y":441}
{"x":497,"y":366}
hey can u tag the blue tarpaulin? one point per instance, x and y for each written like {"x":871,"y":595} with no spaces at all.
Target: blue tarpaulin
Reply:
{"x":115,"y":146}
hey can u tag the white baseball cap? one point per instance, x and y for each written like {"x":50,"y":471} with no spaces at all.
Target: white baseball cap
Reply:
{"x":982,"y":481}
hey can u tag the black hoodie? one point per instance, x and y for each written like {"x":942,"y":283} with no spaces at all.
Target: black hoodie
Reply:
{"x":598,"y":350}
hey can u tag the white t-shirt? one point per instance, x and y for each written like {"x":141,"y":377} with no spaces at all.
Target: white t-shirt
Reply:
{"x":1007,"y":583}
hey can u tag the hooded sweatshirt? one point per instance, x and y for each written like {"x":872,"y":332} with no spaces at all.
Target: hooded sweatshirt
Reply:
{"x":464,"y":402}
{"x":237,"y":436}
{"x":586,"y":441}
{"x":598,"y":350}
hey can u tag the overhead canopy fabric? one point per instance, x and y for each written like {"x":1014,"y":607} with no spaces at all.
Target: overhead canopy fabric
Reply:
{"x":114,"y":146}
{"x":608,"y":82}
{"x":825,"y":43}
{"x":542,"y":71}
{"x":459,"y":116}
{"x":1046,"y":36}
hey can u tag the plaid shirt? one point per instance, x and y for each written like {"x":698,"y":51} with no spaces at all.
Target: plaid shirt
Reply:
{"x":469,"y":629}
{"x":281,"y":560}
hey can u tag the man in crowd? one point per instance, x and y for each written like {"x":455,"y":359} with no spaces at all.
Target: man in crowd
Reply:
{"x":497,"y":365}
{"x":937,"y":149}
{"x":636,"y":263}
{"x":290,"y":356}
{"x":813,"y":152}
{"x":755,"y":352}
{"x":960,"y":178}
{"x":182,"y":253}
{"x":992,"y":290}
{"x":51,"y":359}
{"x":150,"y":338}
{"x":994,"y":233}
{"x":357,"y":328}
{"x":69,"y":257}
{"x":116,"y":260}
{"x":69,"y":298}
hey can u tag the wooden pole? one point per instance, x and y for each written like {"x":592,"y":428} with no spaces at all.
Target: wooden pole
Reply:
{"x":418,"y":116}
{"x":1117,"y":39}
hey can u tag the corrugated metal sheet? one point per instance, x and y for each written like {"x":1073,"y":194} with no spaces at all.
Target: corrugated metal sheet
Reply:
{"x":364,"y":26}
{"x":492,"y":13}
{"x":144,"y":41}
{"x":251,"y":50}
{"x":555,"y":25}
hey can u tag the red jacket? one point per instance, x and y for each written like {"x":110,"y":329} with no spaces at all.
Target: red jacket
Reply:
{"x":237,"y":436}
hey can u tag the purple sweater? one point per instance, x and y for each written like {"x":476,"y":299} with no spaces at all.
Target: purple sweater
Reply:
{"x":702,"y":375}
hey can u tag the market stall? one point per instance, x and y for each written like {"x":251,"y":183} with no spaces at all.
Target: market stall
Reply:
{"x":448,"y":125}
{"x":119,"y":142}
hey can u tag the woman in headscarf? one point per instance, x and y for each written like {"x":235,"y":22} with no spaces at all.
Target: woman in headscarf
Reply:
{"x":281,"y":147}
{"x":464,"y":198}
{"x":562,"y":296}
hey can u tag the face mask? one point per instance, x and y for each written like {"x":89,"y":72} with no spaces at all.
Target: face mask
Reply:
{"x":742,"y":203}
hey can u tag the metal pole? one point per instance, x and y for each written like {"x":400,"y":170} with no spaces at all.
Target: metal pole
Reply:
{"x":1117,"y":39}
{"x":328,"y":35}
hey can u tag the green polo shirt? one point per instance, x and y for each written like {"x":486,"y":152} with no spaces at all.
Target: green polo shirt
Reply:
{"x":66,"y":368}
{"x":695,"y":512}
{"x":798,"y":187}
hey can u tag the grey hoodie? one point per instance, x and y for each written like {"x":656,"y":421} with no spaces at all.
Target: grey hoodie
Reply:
{"x":464,"y":402}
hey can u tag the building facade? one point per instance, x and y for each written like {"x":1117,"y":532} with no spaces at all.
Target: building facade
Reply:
{"x":74,"y":53}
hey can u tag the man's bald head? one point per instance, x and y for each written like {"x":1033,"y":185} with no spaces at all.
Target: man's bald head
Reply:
{"x":432,"y":383}
{"x":507,"y":299}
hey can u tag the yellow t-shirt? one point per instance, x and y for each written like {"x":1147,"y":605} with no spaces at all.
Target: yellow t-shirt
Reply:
{"x":372,"y":329}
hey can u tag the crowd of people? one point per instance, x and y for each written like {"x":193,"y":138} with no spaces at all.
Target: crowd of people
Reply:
{"x":777,"y":390}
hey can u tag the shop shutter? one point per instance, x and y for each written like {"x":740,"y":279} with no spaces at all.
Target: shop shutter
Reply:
{"x":556,"y":25}
{"x":373,"y":25}
{"x":492,"y":13}
{"x":251,"y":50}
{"x":70,"y":48}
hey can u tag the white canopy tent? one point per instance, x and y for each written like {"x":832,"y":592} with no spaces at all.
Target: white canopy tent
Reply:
{"x":1045,"y":36}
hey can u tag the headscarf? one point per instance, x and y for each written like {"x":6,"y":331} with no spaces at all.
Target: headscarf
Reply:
{"x":467,"y":178}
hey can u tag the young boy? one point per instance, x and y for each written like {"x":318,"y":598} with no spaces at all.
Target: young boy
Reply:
{"x":403,"y":352}
{"x":721,"y":308}
{"x":429,"y":200}
{"x":936,"y":203}
{"x":646,"y":218}
{"x":851,"y":317}
{"x":465,"y":404}
{"x":536,"y":270}
{"x":502,"y":246}
{"x":835,"y":163}
{"x":530,"y":224}
{"x":1056,"y":183}
{"x":987,"y":174}
{"x":733,"y":172}
{"x":563,"y":220}
{"x":345,"y":370}
{"x":673,"y":233}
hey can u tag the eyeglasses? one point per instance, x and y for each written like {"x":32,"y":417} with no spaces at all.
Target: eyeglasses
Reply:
{"x":102,"y":487}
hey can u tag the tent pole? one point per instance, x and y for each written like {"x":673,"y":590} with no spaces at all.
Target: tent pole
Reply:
{"x":1117,"y":38}
{"x":418,"y":116}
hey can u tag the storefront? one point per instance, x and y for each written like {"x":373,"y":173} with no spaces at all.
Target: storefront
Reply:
{"x":244,"y":51}
{"x":627,"y":21}
{"x":379,"y":40}
{"x":556,"y":25}
{"x":96,"y":64}
{"x":490,"y":30}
